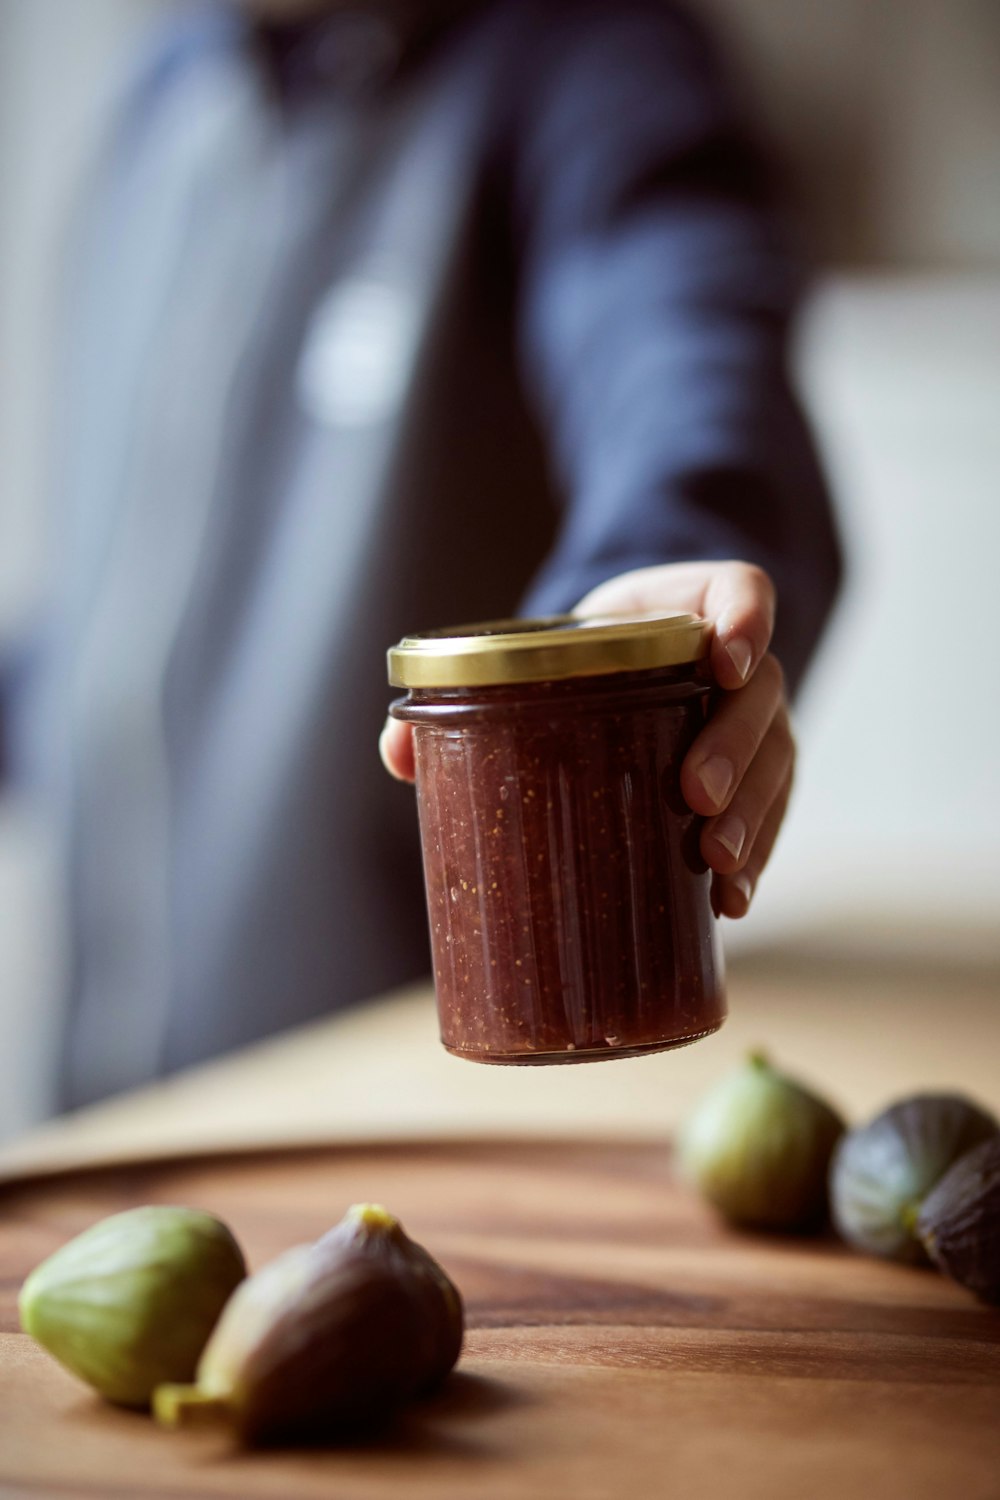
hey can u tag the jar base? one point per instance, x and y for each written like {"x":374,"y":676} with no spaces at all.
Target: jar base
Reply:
{"x":579,"y":1054}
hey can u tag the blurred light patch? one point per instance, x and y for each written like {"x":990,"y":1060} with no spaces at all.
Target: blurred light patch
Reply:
{"x":358,"y":352}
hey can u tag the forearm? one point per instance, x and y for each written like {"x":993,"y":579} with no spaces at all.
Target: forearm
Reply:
{"x":720,"y":513}
{"x":657,"y":298}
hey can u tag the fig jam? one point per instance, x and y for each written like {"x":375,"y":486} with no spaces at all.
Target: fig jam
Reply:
{"x":569,"y":905}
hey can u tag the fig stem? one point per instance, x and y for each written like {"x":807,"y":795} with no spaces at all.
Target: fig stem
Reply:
{"x":373,"y":1216}
{"x":187,"y":1406}
{"x":909,"y":1214}
{"x":758,"y":1059}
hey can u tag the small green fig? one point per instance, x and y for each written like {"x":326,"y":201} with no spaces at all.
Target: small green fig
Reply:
{"x":758,"y":1146}
{"x":131,"y":1301}
{"x":959,"y":1222}
{"x":328,"y":1338}
{"x":882,"y":1171}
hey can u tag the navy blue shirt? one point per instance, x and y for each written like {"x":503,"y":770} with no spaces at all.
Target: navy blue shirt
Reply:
{"x":393,"y":319}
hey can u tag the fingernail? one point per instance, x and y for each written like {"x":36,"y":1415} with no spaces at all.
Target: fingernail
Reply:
{"x":731,"y":833}
{"x":716,"y":776}
{"x":744,"y":885}
{"x":740,"y":653}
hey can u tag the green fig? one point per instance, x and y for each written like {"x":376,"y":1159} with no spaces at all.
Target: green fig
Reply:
{"x":959,"y":1221}
{"x":131,"y":1301}
{"x":882,"y":1171}
{"x":758,"y":1147}
{"x":328,"y":1338}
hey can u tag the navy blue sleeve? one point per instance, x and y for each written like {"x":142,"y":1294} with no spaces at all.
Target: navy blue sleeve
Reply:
{"x":656,"y":296}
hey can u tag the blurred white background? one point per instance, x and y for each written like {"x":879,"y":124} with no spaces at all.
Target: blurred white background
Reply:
{"x":889,"y":116}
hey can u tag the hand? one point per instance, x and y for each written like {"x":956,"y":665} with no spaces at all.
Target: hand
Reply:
{"x":738,"y":772}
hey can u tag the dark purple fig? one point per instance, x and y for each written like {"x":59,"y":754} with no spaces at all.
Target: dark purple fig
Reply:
{"x":882,"y":1172}
{"x":959,"y":1222}
{"x":369,"y":1231}
{"x":329,"y":1338}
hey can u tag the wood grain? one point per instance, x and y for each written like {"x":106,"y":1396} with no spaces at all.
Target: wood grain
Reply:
{"x":620,"y":1341}
{"x":865,"y":1022}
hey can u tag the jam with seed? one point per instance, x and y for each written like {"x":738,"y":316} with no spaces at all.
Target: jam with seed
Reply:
{"x":569,"y":905}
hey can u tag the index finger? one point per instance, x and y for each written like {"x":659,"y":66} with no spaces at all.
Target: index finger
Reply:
{"x":740,"y":600}
{"x":737,"y":597}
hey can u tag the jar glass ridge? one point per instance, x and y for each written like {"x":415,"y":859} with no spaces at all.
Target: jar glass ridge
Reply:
{"x":569,"y":905}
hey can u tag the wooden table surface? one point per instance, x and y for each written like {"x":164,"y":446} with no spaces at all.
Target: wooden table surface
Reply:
{"x":620,"y":1340}
{"x":865,"y":1015}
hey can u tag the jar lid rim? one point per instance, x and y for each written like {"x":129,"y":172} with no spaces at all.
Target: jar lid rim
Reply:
{"x":547,"y":648}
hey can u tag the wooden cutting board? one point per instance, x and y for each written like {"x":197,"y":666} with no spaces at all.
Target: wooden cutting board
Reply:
{"x":620,"y":1343}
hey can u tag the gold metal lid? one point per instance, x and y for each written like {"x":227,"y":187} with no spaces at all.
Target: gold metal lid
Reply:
{"x":546,"y":649}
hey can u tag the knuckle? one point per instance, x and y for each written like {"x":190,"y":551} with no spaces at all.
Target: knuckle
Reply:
{"x":744,"y":740}
{"x":760,"y":582}
{"x":772,"y":675}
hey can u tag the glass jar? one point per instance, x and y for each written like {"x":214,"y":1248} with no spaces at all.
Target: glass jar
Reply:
{"x":569,"y":904}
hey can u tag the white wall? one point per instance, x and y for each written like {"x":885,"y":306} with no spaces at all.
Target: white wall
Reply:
{"x":896,"y":817}
{"x":888,"y":115}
